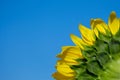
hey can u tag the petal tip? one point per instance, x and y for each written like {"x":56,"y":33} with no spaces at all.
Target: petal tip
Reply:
{"x":81,"y":27}
{"x":91,"y":21}
{"x":71,"y":35}
{"x":113,"y":14}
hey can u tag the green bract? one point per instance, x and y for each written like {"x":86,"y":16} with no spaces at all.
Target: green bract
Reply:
{"x":101,"y":60}
{"x":95,"y":56}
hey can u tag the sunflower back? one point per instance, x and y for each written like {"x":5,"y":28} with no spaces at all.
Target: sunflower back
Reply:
{"x":94,"y":57}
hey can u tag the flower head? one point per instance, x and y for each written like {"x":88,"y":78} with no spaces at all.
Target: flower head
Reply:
{"x":95,"y":56}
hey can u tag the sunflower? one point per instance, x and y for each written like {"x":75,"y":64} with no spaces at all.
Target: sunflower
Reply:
{"x":95,"y":56}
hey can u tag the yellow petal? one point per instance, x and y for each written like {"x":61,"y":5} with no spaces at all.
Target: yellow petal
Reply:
{"x":71,"y":54}
{"x":68,"y":62}
{"x":59,"y":76}
{"x":60,"y":62}
{"x":87,"y":35}
{"x":65,"y":70}
{"x":99,"y":26}
{"x":63,"y":49}
{"x":119,"y":23}
{"x":92,"y":26}
{"x":79,"y":42}
{"x":74,"y":52}
{"x":66,"y":47}
{"x":113,"y":23}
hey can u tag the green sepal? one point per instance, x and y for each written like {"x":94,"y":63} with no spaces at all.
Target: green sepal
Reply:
{"x":117,"y":36}
{"x":101,"y":48}
{"x":94,"y":67}
{"x":114,"y":47}
{"x":86,"y":76}
{"x":89,"y":53}
{"x":103,"y":58}
{"x":104,"y":37}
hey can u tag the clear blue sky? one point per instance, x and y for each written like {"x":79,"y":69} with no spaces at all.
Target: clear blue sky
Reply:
{"x":33,"y":31}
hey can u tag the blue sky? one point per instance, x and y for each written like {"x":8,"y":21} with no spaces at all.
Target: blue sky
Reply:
{"x":32,"y":33}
